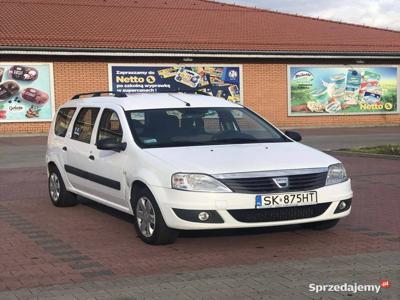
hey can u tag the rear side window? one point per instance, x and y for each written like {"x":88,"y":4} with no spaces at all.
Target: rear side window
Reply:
{"x":110,"y":126}
{"x":63,"y":119}
{"x":84,"y":124}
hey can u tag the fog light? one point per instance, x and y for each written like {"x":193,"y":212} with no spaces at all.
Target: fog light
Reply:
{"x":203,"y":216}
{"x":342,"y":205}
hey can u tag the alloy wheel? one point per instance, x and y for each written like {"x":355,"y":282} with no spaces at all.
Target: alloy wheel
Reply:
{"x":54,"y":187}
{"x":145,"y":216}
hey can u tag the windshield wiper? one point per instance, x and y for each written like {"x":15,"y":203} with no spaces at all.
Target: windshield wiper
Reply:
{"x":177,"y":144}
{"x":209,"y":143}
{"x":236,"y":141}
{"x":247,"y":140}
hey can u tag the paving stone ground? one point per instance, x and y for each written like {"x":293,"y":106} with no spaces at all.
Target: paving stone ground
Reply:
{"x":277,"y":280}
{"x":92,"y":252}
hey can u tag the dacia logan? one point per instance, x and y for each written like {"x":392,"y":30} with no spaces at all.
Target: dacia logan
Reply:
{"x":188,"y":162}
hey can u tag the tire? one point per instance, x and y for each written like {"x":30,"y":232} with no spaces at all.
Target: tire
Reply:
{"x":322,"y":225}
{"x":149,"y":222}
{"x":59,"y":196}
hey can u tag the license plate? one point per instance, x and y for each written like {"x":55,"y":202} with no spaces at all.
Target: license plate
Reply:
{"x":287,"y":199}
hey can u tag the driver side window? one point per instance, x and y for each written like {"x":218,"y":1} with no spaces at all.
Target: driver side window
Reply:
{"x":110,"y":126}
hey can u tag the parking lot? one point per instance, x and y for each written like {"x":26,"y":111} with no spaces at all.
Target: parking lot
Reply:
{"x":92,"y":252}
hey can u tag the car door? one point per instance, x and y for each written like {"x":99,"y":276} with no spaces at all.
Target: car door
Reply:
{"x":59,"y":136}
{"x":79,"y":148}
{"x":109,"y":166}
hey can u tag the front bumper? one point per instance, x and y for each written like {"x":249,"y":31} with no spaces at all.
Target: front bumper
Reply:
{"x":224,"y":204}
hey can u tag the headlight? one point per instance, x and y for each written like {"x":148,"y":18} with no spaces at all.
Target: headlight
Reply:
{"x":336,"y":174}
{"x":197,"y":183}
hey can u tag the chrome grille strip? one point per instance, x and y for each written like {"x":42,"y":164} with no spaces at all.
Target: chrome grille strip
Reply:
{"x":275,"y":173}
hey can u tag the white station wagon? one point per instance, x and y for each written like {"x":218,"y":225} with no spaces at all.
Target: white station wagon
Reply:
{"x":186,"y":162}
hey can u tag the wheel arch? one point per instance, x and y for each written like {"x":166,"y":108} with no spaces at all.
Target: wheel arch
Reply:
{"x":53,"y":165}
{"x":165,"y":234}
{"x":135,"y":187}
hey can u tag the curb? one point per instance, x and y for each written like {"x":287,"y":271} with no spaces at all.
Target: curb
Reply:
{"x":366,"y":155}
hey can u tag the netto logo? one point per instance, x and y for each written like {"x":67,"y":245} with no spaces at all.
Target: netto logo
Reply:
{"x":150,"y":79}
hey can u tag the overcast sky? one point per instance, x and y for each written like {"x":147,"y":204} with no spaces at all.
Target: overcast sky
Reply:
{"x":378,"y":13}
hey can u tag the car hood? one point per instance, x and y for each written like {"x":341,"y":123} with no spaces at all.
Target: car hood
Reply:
{"x":219,"y":159}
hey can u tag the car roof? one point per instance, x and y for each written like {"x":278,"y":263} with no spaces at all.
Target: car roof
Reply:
{"x":153,"y":101}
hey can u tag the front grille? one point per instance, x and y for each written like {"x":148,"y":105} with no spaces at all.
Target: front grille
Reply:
{"x":262,"y":185}
{"x":279,"y":213}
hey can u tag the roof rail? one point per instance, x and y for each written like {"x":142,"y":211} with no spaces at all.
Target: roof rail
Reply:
{"x":98,"y":94}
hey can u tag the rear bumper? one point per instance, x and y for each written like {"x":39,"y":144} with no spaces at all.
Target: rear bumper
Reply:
{"x":230,"y":206}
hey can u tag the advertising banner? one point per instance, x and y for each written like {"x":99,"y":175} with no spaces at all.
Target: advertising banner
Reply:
{"x":26,"y":92}
{"x":342,"y":90}
{"x":219,"y":80}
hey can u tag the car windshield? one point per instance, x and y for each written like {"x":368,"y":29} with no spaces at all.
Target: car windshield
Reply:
{"x":176,"y":127}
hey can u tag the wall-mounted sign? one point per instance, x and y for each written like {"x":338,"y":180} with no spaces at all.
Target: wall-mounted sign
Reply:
{"x":218,"y":80}
{"x":342,"y":90}
{"x":26,"y":92}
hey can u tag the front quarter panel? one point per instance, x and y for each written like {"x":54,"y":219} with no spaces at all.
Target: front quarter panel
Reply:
{"x":149,"y":169}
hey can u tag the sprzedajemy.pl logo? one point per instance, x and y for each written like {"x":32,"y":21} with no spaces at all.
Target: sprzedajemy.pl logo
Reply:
{"x":349,"y":287}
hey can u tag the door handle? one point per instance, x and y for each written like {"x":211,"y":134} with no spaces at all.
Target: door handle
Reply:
{"x":64,"y":148}
{"x":91,"y":157}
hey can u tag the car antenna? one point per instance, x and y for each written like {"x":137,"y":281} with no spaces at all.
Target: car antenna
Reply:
{"x":186,"y":103}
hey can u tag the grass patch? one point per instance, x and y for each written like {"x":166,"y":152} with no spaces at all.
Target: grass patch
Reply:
{"x":384,"y":149}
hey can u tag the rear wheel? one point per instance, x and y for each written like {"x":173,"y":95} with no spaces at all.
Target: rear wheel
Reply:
{"x":59,"y":196}
{"x":322,"y":225}
{"x":149,"y":222}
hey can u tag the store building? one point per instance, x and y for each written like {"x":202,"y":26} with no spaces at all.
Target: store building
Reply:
{"x":295,"y":71}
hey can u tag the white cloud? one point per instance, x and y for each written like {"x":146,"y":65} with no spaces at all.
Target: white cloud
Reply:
{"x":378,"y":13}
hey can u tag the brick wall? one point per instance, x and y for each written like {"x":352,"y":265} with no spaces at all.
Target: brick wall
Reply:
{"x":265,"y":91}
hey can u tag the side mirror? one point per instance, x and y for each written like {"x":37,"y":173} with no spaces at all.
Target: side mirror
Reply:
{"x":111,"y":144}
{"x":295,"y":136}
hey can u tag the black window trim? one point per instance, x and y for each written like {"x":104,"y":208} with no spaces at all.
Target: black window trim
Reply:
{"x":69,"y":124}
{"x":94,"y":124}
{"x":101,"y":116}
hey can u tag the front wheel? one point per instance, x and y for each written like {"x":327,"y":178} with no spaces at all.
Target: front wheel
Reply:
{"x":322,"y":225}
{"x":149,"y":222}
{"x":59,"y":196}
